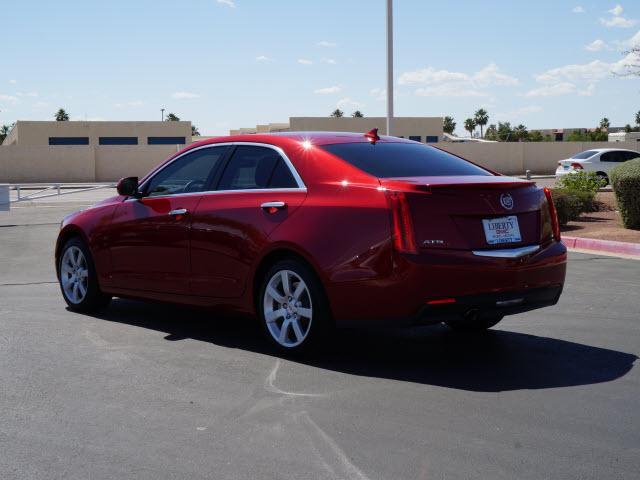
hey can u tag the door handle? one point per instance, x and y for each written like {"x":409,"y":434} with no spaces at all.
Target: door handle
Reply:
{"x":273,"y":207}
{"x":179,"y":211}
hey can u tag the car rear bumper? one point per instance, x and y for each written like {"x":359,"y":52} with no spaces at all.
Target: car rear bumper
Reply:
{"x":440,"y":283}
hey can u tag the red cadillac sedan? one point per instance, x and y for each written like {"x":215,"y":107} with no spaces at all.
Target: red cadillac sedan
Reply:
{"x":312,"y":230}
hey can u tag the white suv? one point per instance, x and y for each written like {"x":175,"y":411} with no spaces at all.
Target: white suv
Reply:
{"x":598,"y":160}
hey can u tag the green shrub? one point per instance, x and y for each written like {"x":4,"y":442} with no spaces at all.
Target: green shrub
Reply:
{"x":568,"y":205}
{"x":581,"y":182}
{"x":625,"y":179}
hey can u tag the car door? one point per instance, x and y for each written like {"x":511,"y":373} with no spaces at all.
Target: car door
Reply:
{"x":149,"y":236}
{"x":608,"y":160}
{"x":258,"y":190}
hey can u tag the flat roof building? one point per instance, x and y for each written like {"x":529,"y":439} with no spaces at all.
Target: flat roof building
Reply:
{"x":421,"y":129}
{"x":45,"y":133}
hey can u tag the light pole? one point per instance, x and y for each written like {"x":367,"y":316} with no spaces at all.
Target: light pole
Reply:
{"x":389,"y":66}
{"x":162,"y":111}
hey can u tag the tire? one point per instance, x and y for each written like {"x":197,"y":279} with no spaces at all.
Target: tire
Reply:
{"x":295,"y":318}
{"x":604,"y":179}
{"x":474,"y":323}
{"x":78,"y":279}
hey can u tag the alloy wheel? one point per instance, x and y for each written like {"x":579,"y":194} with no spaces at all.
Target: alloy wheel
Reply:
{"x":74,"y":275}
{"x":288,"y":310}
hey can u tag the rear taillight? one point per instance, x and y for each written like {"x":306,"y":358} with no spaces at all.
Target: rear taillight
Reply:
{"x":577,"y":166}
{"x":559,"y":164}
{"x":555,"y":224}
{"x":402,"y":229}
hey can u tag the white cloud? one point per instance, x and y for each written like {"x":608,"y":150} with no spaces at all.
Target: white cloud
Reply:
{"x":578,"y":9}
{"x":617,"y":10}
{"x":378,"y":93}
{"x":326,"y":44}
{"x":13,"y":81}
{"x":490,"y":75}
{"x":8,"y":98}
{"x":589,"y":91}
{"x":445,"y":83}
{"x":553,"y":90}
{"x":348,"y":103}
{"x":595,"y":70}
{"x":328,"y":90}
{"x":228,"y":3}
{"x":263,"y":58}
{"x":185,"y":95}
{"x":632,"y":42}
{"x":449,"y":90}
{"x":305,"y":61}
{"x":40,"y":105}
{"x":518,"y":114}
{"x":133,"y":103}
{"x":617,"y":20}
{"x":27,"y":94}
{"x":596,"y":46}
{"x":330,"y":61}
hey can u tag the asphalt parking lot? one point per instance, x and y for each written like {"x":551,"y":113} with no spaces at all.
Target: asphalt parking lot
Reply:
{"x":157,"y":392}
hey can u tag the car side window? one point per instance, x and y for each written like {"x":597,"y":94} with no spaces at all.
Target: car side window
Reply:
{"x":253,"y":167}
{"x":607,"y":157}
{"x":630,"y":156}
{"x":188,"y":174}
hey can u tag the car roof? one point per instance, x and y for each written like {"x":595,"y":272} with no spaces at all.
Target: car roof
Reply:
{"x":316,"y":138}
{"x":600,"y":150}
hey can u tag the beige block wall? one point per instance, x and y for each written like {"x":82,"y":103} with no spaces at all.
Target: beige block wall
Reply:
{"x":46,"y":164}
{"x":115,"y":162}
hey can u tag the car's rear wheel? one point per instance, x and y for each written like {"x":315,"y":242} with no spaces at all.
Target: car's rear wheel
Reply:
{"x":78,"y":279}
{"x":604,"y":179}
{"x":292,"y":308}
{"x":472,"y":323}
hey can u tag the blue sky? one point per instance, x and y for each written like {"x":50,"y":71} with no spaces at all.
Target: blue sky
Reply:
{"x":229,"y":63}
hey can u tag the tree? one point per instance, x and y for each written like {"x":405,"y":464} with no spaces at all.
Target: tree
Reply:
{"x":520,"y":133}
{"x":481,"y":118}
{"x":4,"y":131}
{"x":536,"y":136}
{"x":448,"y":125}
{"x":638,"y":118}
{"x":604,"y":124}
{"x":470,"y":126}
{"x":491,"y":133}
{"x":337,"y":113}
{"x":172,"y":117}
{"x":194,"y":131}
{"x":505,"y":133}
{"x":357,"y":114}
{"x":632,"y":68}
{"x":627,"y":128}
{"x":61,"y":115}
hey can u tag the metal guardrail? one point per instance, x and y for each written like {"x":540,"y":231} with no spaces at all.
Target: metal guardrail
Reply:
{"x":45,"y":190}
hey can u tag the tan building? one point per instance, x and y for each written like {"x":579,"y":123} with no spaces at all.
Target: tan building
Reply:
{"x":28,"y":133}
{"x":422,"y":129}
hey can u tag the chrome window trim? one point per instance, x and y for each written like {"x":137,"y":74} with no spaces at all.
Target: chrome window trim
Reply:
{"x":218,"y":192}
{"x":296,"y":176}
{"x":507,"y":252}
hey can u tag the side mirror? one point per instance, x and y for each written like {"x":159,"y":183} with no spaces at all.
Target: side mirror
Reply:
{"x":128,"y":187}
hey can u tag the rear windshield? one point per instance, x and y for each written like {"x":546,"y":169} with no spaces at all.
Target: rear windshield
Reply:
{"x":587,"y":154}
{"x":388,"y":160}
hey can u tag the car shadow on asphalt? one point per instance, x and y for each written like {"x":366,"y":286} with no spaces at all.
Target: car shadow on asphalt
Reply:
{"x":498,"y":360}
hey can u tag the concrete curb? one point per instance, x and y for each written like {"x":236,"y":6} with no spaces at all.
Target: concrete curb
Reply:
{"x":609,"y":247}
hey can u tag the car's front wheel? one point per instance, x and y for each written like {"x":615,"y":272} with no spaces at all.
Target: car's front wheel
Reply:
{"x":292,"y":308}
{"x":78,"y":279}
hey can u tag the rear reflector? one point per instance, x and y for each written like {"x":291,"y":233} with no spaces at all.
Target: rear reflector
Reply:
{"x":402,"y":228}
{"x":555,"y":224}
{"x":441,"y":301}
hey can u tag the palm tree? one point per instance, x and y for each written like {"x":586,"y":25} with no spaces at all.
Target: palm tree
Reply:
{"x":61,"y":115}
{"x":520,"y":133}
{"x":448,"y":125}
{"x":357,"y":114}
{"x":638,"y":118}
{"x":481,"y":118}
{"x":194,"y":131}
{"x":604,"y":124}
{"x":172,"y":117}
{"x":470,"y":126}
{"x":4,"y":131}
{"x":337,"y":113}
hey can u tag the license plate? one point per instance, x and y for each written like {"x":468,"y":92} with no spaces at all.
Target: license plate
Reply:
{"x":501,"y":230}
{"x":566,"y":167}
